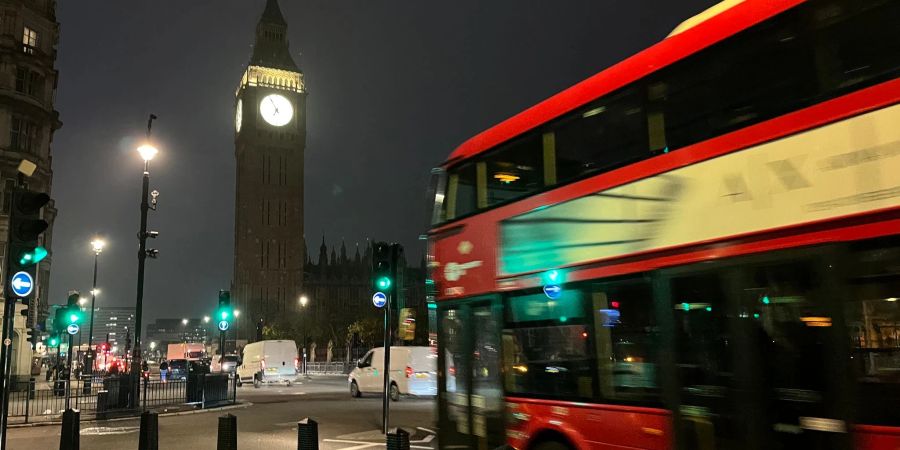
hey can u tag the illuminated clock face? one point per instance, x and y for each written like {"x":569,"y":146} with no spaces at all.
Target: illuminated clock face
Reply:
{"x":276,"y":110}
{"x":238,"y":115}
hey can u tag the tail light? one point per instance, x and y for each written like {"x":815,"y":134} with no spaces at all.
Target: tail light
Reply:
{"x":409,"y":372}
{"x":296,"y":363}
{"x":452,"y":371}
{"x":262,"y":364}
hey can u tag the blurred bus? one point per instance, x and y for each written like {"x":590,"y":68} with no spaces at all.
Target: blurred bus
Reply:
{"x":696,"y":248}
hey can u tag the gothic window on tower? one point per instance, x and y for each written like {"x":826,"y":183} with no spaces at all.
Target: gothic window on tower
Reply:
{"x":29,"y":40}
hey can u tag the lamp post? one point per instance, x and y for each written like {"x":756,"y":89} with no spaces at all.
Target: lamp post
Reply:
{"x":304,"y":300}
{"x":147,"y":152}
{"x":97,"y":245}
{"x":184,"y":324}
{"x":206,"y":320}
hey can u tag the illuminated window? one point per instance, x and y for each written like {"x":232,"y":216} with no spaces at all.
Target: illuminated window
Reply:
{"x":29,"y":40}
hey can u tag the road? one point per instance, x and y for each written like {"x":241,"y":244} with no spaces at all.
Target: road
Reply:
{"x":269,"y":423}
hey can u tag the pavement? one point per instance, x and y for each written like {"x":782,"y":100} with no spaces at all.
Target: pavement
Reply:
{"x":267,"y":419}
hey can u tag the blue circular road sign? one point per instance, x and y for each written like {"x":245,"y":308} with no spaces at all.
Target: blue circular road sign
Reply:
{"x":552,"y":291}
{"x":73,"y":329}
{"x":224,"y":325}
{"x":22,"y":284}
{"x":379,"y":299}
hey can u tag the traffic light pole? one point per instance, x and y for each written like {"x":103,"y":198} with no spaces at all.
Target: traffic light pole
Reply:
{"x":68,"y":379}
{"x":9,"y":309}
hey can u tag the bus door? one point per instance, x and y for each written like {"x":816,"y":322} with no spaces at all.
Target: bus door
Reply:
{"x":470,"y":390}
{"x":758,"y":355}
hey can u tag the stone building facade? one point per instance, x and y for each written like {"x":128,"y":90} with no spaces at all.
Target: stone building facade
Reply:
{"x":29,"y":33}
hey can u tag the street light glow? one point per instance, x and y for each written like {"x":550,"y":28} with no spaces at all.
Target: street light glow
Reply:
{"x":205,"y":319}
{"x":82,"y":301}
{"x":304,"y":300}
{"x":95,"y":292}
{"x":97,"y":244}
{"x":184,"y":321}
{"x":237,"y":312}
{"x":152,"y":345}
{"x":147,"y":152}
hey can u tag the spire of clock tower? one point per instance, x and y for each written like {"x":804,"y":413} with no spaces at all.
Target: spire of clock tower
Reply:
{"x":271,"y":48}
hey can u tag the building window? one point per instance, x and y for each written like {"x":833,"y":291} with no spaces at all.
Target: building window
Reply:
{"x":23,"y":135}
{"x":28,"y":81}
{"x":29,"y":40}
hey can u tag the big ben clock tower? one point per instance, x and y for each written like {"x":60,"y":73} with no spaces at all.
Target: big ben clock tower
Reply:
{"x":270,"y":138}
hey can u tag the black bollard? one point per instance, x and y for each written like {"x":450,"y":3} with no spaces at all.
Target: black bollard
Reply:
{"x":149,"y":436}
{"x":71,"y":430}
{"x":227,"y":433}
{"x":398,"y":439}
{"x":307,"y":434}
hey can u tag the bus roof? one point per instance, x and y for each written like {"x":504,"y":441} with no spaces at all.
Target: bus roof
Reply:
{"x":693,"y":35}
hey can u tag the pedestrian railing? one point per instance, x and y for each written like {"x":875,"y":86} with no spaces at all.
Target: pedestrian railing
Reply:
{"x":332,"y":368}
{"x":110,"y":395}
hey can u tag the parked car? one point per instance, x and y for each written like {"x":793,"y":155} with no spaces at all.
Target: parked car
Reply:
{"x":413,"y":372}
{"x":268,"y":362}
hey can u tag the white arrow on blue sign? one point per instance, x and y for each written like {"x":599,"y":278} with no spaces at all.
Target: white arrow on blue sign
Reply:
{"x":224,"y":325}
{"x":73,"y":329}
{"x":552,"y":291}
{"x":379,"y":299}
{"x":22,"y":284}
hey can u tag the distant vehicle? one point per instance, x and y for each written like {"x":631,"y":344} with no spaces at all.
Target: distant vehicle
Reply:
{"x":225,"y":364}
{"x":186,"y":351}
{"x":268,"y":362}
{"x":178,"y":369}
{"x":413,"y":371}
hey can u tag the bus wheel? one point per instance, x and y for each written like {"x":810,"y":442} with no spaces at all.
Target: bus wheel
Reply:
{"x":395,"y":392}
{"x":551,"y":445}
{"x":257,"y":382}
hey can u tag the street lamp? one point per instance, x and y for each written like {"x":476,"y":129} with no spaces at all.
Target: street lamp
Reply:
{"x":147,"y":152}
{"x":206,"y":319}
{"x":97,"y":245}
{"x":184,"y":323}
{"x":304,"y":300}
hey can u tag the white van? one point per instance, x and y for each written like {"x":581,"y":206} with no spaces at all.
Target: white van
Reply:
{"x":413,"y":371}
{"x":268,"y":362}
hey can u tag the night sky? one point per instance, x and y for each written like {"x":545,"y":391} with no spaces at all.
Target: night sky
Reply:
{"x":393,"y":87}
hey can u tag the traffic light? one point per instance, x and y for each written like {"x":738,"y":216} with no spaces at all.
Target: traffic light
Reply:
{"x":53,"y":341}
{"x":383,"y":266}
{"x":224,"y":312}
{"x":23,"y":252}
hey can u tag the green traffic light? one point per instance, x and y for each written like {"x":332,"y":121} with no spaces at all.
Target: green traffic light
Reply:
{"x":224,"y":315}
{"x":33,"y":257}
{"x":383,"y":283}
{"x":54,"y":342}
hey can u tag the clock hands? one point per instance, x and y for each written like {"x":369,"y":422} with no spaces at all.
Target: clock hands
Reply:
{"x":272,"y":101}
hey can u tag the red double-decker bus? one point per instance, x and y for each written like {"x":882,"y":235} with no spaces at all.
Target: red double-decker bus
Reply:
{"x":697,"y":248}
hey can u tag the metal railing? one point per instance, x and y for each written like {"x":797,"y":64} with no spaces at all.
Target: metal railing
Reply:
{"x":44,"y":400}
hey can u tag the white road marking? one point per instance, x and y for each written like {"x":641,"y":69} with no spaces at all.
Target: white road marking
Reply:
{"x":362,"y":444}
